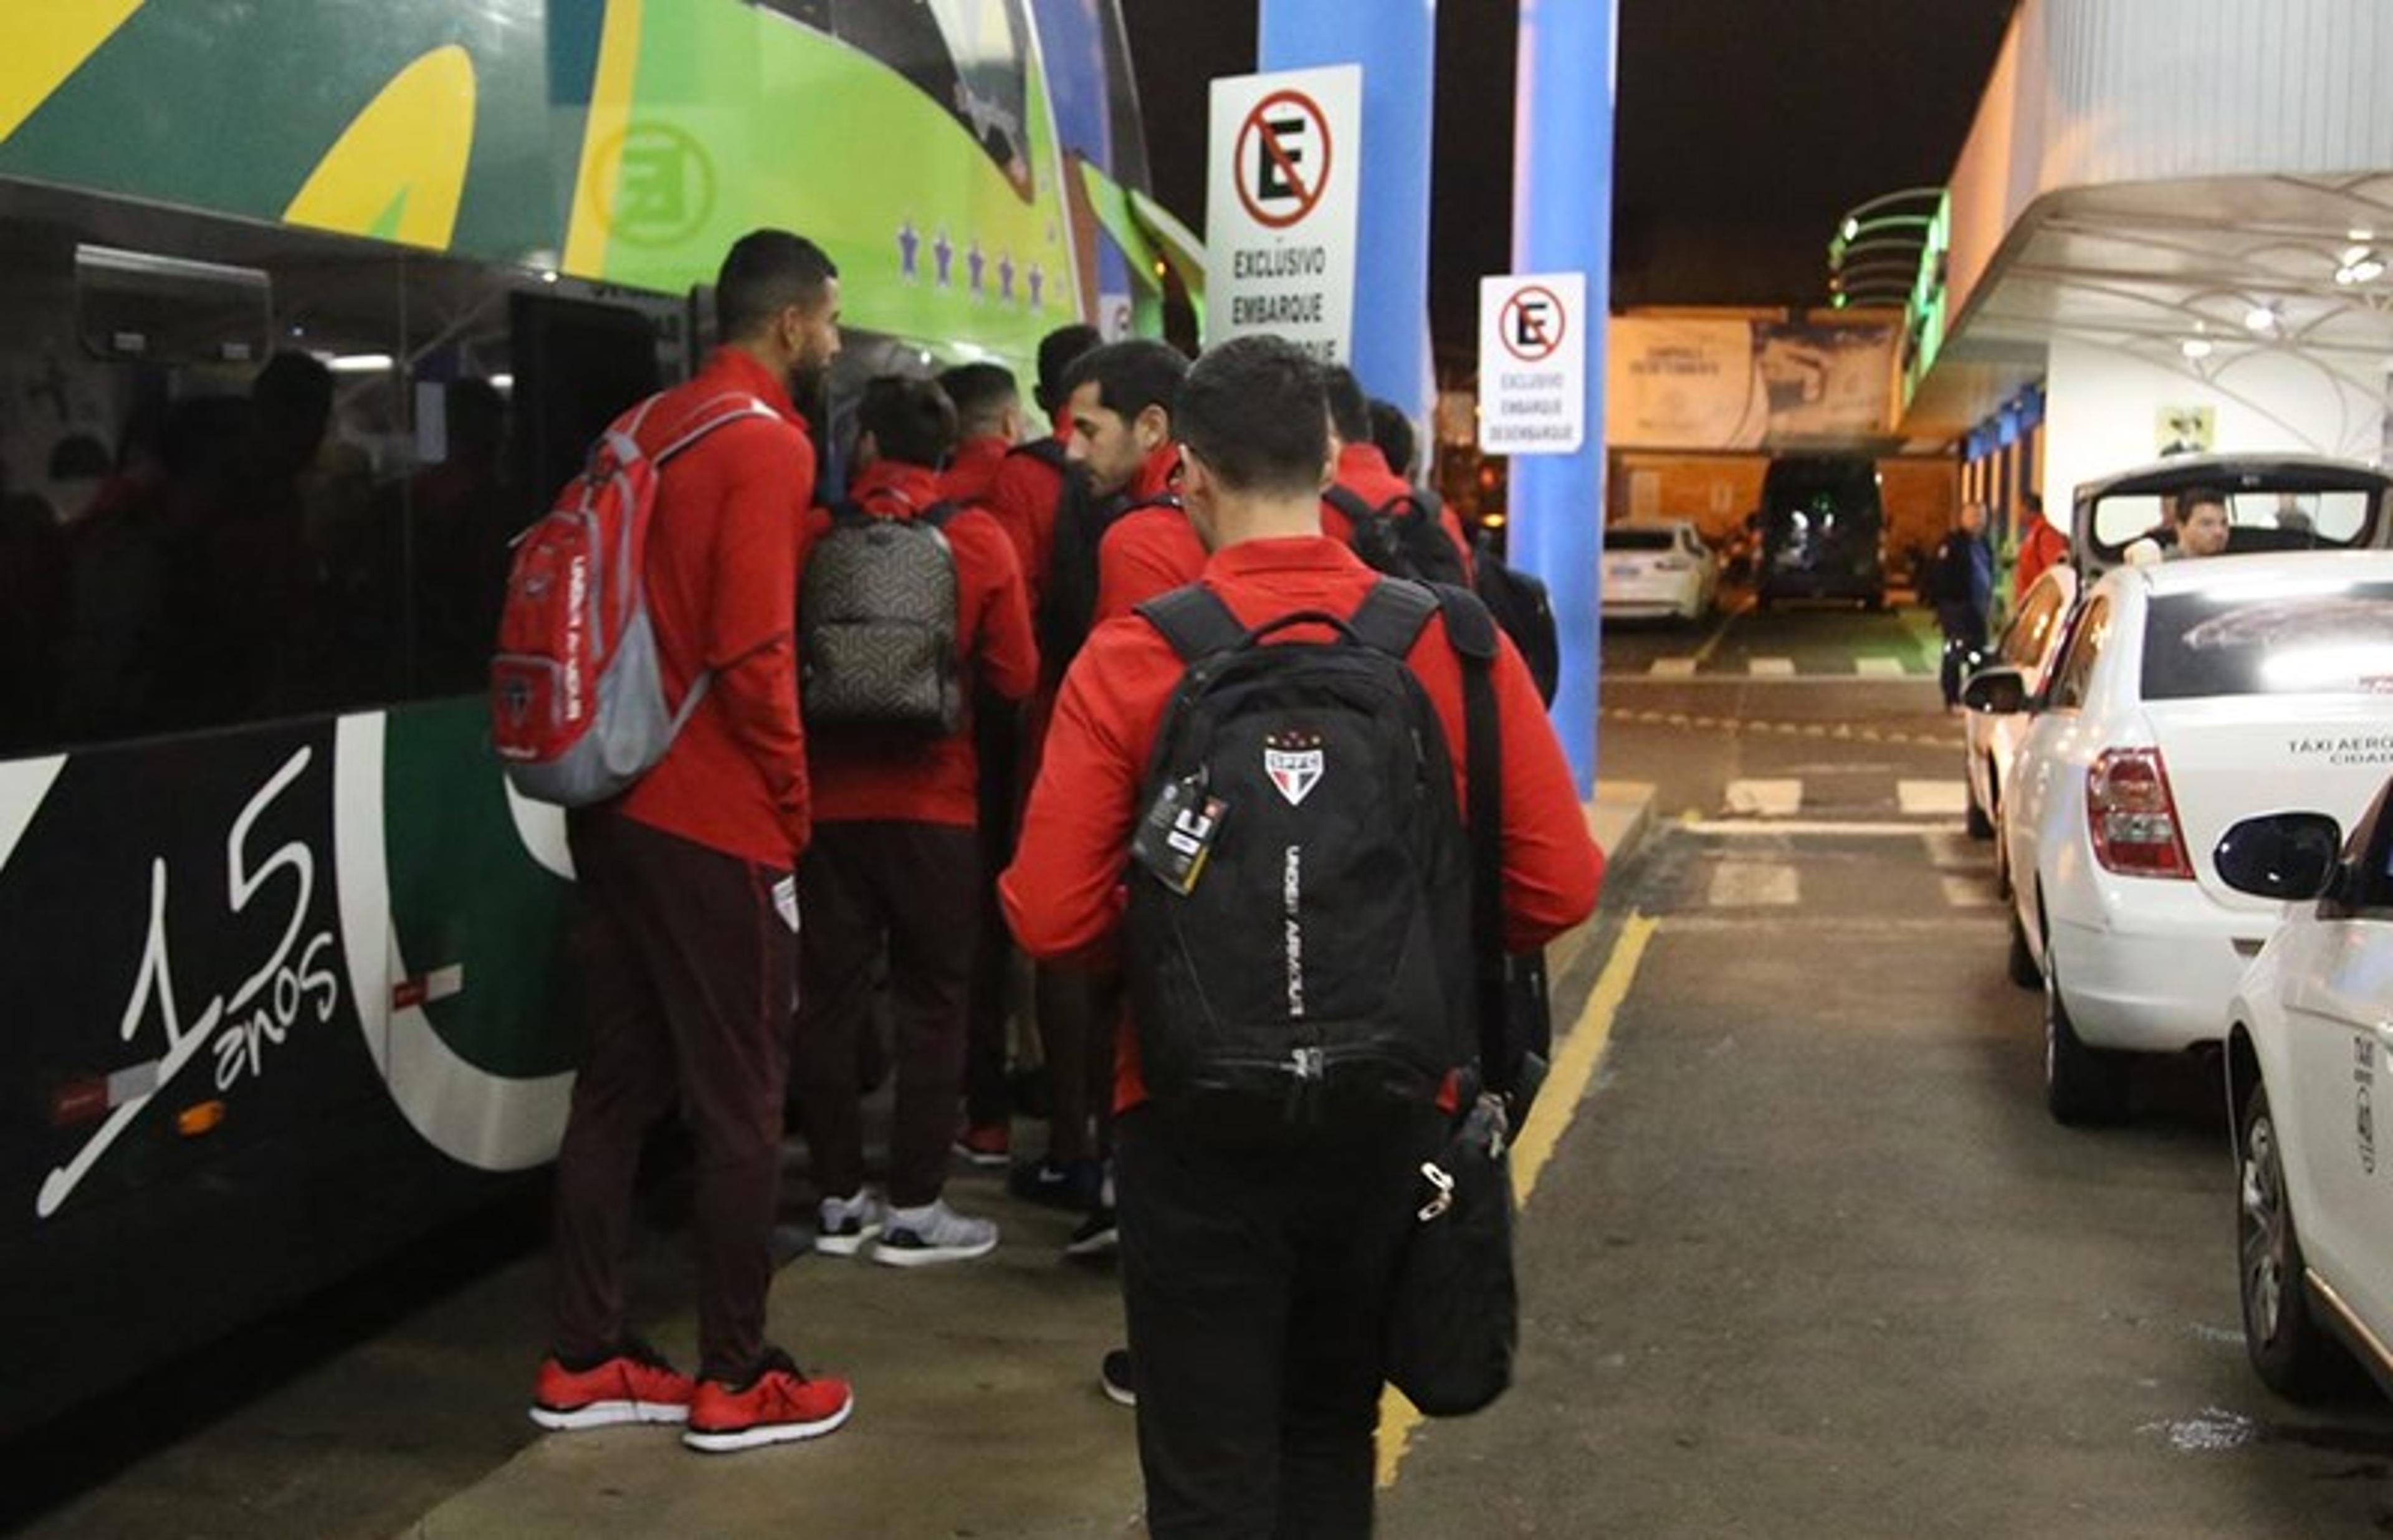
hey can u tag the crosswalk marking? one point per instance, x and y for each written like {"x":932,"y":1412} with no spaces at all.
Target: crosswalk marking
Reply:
{"x":1879,"y":667}
{"x":1674,"y":667}
{"x":1768,"y":798}
{"x":1954,"y":852}
{"x":1770,"y":668}
{"x":1834,"y":829}
{"x":1970,"y":892}
{"x":1938,"y":799}
{"x":1753,"y":884}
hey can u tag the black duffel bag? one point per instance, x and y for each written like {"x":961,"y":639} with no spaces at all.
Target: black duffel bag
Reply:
{"x":1456,"y":1321}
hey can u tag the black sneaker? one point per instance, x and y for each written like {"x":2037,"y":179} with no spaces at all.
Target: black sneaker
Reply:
{"x":1096,"y":1237}
{"x":1073,"y":1185}
{"x":1113,"y":1378}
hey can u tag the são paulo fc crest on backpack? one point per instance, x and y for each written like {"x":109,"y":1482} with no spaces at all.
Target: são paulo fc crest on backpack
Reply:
{"x":1294,"y":761}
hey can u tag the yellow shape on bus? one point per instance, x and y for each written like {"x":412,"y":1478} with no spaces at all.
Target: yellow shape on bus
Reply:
{"x":49,"y":41}
{"x":398,"y":173}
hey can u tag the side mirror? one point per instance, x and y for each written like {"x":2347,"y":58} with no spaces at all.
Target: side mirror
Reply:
{"x":2289,"y":856}
{"x":1997,"y":692}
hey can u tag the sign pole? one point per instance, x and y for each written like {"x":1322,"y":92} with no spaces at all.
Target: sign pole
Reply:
{"x":1561,"y":223}
{"x":1395,"y":42}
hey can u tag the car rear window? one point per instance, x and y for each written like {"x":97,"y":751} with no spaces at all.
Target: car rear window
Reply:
{"x":2334,"y":641}
{"x":2258,"y":520}
{"x":1641,"y":540}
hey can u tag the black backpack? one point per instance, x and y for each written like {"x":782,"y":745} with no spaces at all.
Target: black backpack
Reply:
{"x":1402,"y":537}
{"x":1522,"y":608}
{"x":877,"y":624}
{"x":1299,"y":919}
{"x":1082,"y":517}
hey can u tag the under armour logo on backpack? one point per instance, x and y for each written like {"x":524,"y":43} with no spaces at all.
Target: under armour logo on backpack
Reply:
{"x":1294,"y":761}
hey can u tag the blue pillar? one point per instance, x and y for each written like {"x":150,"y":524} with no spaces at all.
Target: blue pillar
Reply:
{"x":1562,"y":222}
{"x":1395,"y":42}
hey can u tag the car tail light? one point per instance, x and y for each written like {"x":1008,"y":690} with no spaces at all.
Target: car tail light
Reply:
{"x":2133,"y":816}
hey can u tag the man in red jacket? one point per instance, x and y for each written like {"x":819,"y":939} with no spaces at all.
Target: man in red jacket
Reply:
{"x":1120,"y":409}
{"x":689,"y":941}
{"x":2041,"y":547}
{"x":1117,"y":401}
{"x":988,"y":429}
{"x":1363,"y":469}
{"x":1256,"y":1280}
{"x":1026,"y":488}
{"x":988,"y":426}
{"x":894,"y":863}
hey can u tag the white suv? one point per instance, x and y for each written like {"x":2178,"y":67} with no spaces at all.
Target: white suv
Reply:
{"x":1662,"y":568}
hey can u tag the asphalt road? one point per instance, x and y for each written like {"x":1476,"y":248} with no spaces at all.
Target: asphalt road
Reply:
{"x":1807,"y":1258}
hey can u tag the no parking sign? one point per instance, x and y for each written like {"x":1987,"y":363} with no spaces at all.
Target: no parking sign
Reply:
{"x":1533,"y":363}
{"x":1281,"y":208}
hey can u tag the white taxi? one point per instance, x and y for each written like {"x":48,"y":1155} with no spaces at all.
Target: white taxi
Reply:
{"x":2310,"y":1037}
{"x":1661,"y":568}
{"x":2029,"y":644}
{"x":2187,"y":697}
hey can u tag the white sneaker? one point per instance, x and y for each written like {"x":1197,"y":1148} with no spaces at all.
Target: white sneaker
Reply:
{"x":935,"y":1233}
{"x":844,"y":1224}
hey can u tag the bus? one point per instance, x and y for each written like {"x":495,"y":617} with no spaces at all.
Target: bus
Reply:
{"x":304,"y":311}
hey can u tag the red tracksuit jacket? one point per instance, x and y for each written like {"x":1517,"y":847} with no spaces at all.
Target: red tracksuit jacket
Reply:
{"x":724,"y":546}
{"x":862,"y":776}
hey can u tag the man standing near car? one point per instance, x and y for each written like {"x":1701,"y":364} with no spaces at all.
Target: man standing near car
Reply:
{"x":1961,"y":586}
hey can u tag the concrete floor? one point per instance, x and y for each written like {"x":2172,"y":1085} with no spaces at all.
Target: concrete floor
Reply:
{"x":1808,"y":1259}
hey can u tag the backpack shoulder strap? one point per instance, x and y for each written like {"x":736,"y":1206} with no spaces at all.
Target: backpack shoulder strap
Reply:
{"x":1471,"y":631}
{"x":1348,"y":501}
{"x":1470,"y":625}
{"x":721,"y":412}
{"x":1194,"y":621}
{"x":1048,"y":451}
{"x":1393,"y":615}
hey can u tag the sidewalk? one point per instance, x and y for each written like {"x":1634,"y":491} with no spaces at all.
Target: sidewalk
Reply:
{"x":977,"y":1408}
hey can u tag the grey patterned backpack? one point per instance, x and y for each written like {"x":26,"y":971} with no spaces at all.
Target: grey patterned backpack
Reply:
{"x":877,"y":624}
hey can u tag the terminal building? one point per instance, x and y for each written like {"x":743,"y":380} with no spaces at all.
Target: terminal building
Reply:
{"x":2167,"y":233}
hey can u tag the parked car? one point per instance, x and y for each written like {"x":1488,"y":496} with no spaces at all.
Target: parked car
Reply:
{"x":2310,"y":1037}
{"x":2274,"y":502}
{"x":1822,"y":532}
{"x":1658,"y":568}
{"x":2029,"y":645}
{"x":2186,"y":696}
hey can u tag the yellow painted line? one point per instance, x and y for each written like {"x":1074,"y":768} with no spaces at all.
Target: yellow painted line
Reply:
{"x":1557,"y":1104}
{"x":1711,"y":644}
{"x":602,"y":138}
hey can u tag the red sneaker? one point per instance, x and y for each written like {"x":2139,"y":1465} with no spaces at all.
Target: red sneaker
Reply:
{"x":779,"y":1405}
{"x":636,"y":1385}
{"x":986,"y":1144}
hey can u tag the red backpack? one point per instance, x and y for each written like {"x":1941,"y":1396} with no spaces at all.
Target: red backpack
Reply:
{"x":577,"y":709}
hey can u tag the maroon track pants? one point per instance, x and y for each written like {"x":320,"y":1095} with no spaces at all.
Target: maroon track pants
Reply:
{"x":690,"y":970}
{"x":915,"y":888}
